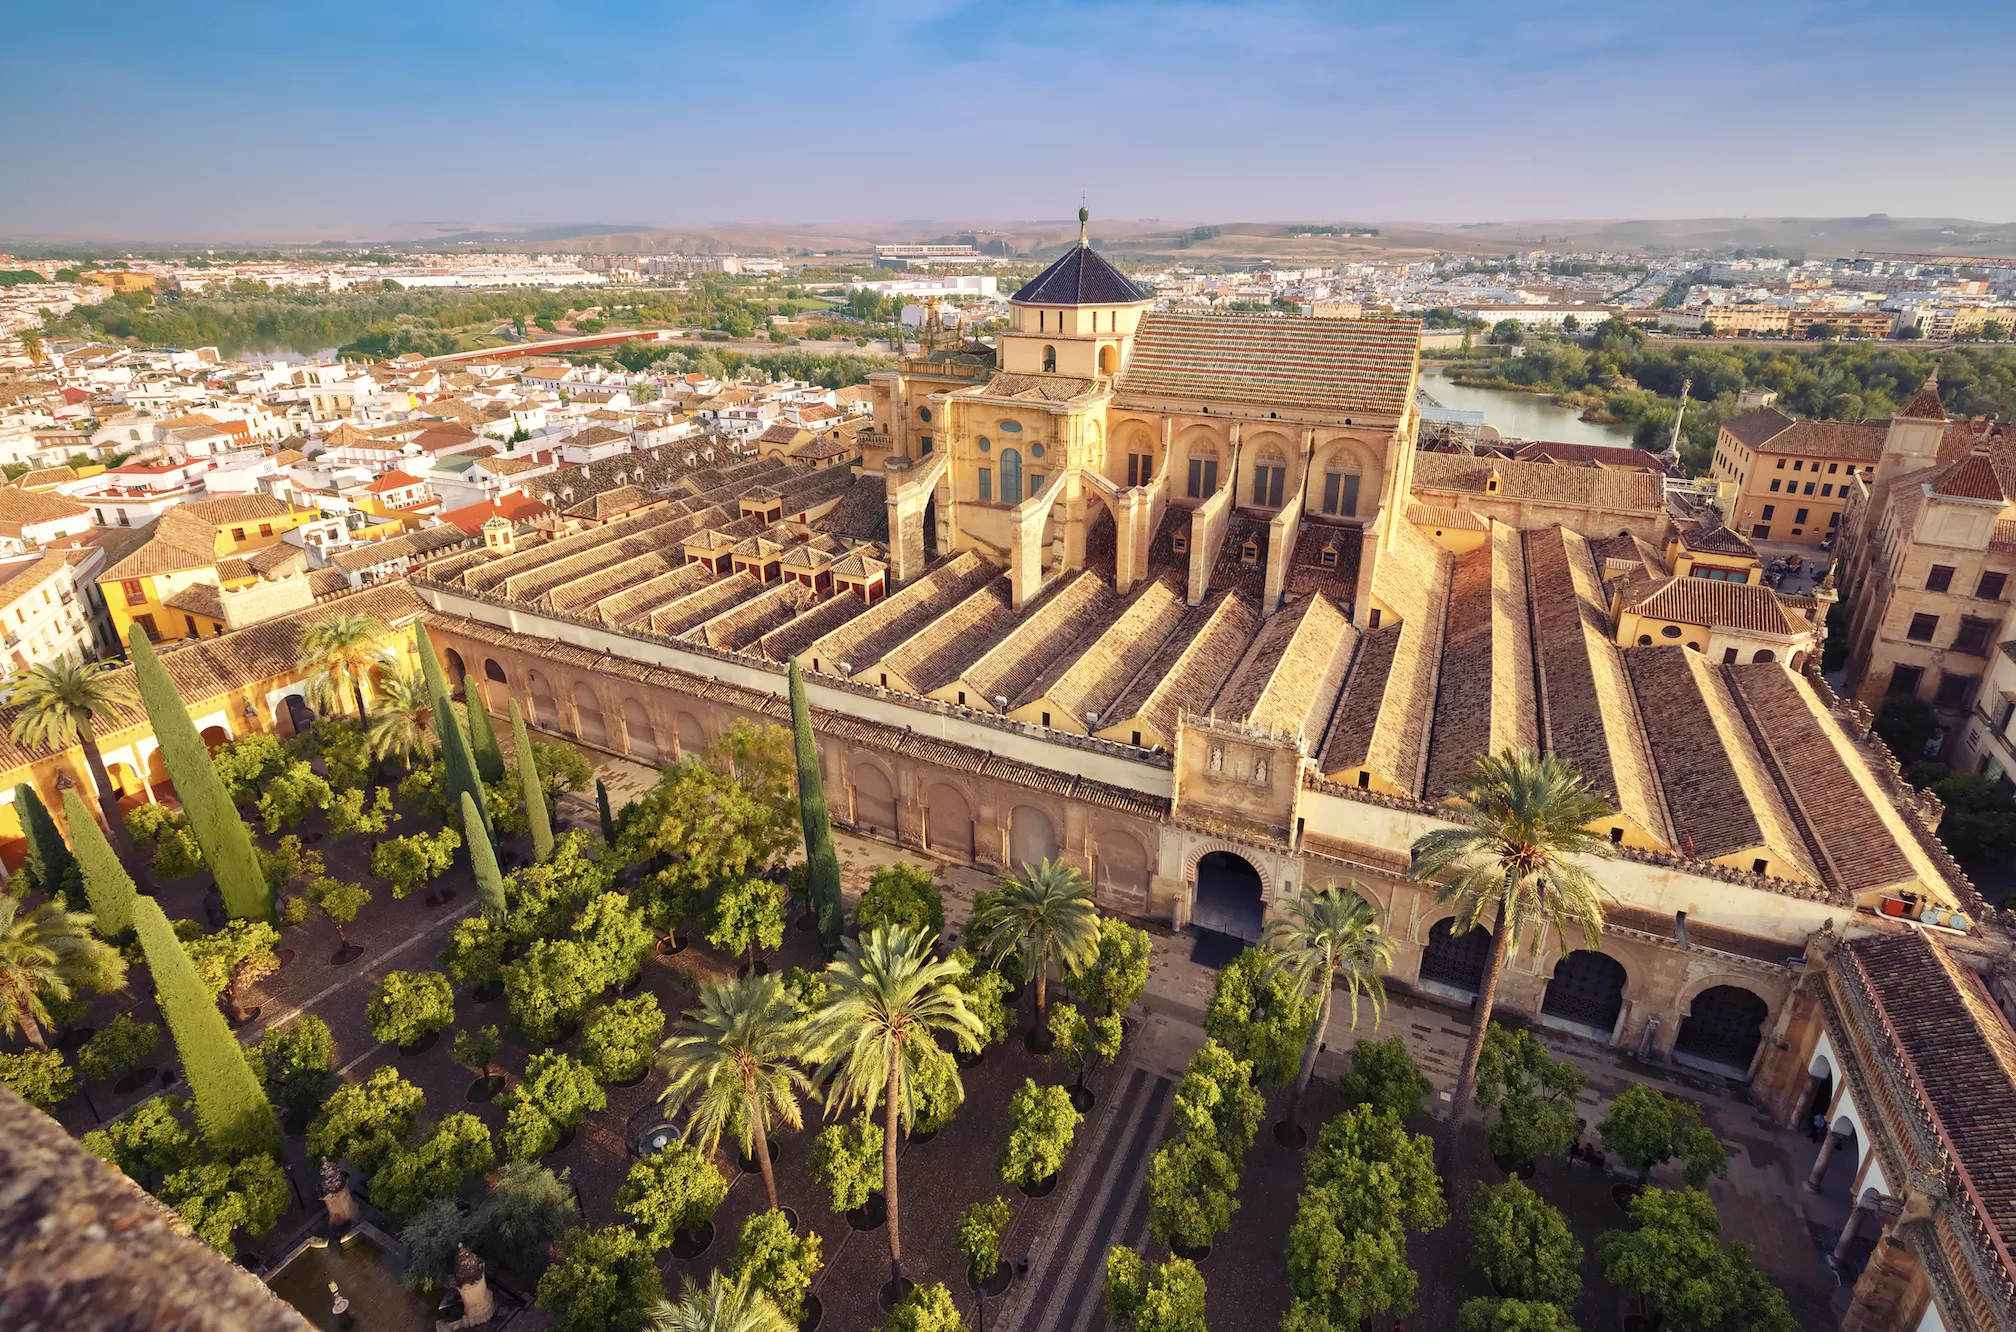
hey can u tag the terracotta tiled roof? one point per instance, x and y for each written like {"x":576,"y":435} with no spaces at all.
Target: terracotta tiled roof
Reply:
{"x":1973,"y":478}
{"x":27,"y":508}
{"x":1752,"y":429}
{"x":1356,"y":365}
{"x":1440,"y":475}
{"x":1850,"y":441}
{"x":235,"y":509}
{"x":1720,"y":539}
{"x":1716,"y":604}
{"x":1092,"y":677}
{"x":1957,"y":1046}
{"x":205,"y":599}
{"x":1925,"y":404}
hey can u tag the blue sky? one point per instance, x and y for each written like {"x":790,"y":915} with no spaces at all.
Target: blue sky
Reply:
{"x":145,"y":118}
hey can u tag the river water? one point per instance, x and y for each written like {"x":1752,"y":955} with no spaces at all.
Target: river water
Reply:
{"x":1523,"y":415}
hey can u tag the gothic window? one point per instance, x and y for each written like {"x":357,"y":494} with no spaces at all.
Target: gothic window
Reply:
{"x":1203,"y":476}
{"x":986,"y":483}
{"x":1340,"y":493}
{"x":1270,"y":474}
{"x":1050,"y":359}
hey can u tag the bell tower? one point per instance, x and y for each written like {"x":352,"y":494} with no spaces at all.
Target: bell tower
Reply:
{"x":1076,"y":318}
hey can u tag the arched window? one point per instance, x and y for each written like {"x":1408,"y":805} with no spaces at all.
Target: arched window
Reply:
{"x":1050,"y":358}
{"x":1764,"y":654}
{"x":1109,"y":360}
{"x":492,"y":671}
{"x":1011,"y":476}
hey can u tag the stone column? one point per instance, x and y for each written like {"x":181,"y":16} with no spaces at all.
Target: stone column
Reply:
{"x":1848,"y":1232}
{"x":337,"y":1199}
{"x":1819,"y":1170}
{"x":478,"y":1307}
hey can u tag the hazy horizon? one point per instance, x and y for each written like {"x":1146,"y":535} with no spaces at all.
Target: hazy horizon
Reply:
{"x":275,"y":122}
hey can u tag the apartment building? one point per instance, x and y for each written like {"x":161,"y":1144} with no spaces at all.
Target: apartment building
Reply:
{"x":1792,"y":476}
{"x":1930,"y":561}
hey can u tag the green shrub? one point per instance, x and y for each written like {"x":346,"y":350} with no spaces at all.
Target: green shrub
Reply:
{"x":671,"y":1191}
{"x":39,"y":1077}
{"x":365,"y":1122}
{"x":556,"y":1096}
{"x":1042,"y":1122}
{"x":901,"y":894}
{"x":120,"y":1048}
{"x":550,"y":987}
{"x":846,"y":1160}
{"x":978,"y":1236}
{"x":774,"y":1259}
{"x":622,"y":1038}
{"x":1523,"y":1247}
{"x":1258,"y":1013}
{"x":457,"y":1151}
{"x":294,"y":1063}
{"x":410,"y":1006}
{"x":1383,"y":1074}
{"x":605,"y":1281}
{"x":1645,"y":1127}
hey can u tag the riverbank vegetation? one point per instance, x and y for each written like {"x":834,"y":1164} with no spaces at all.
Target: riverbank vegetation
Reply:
{"x":1617,"y":375}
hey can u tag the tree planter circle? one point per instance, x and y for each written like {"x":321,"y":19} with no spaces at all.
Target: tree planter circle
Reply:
{"x":170,"y":1076}
{"x":791,"y":1218}
{"x":870,"y":1215}
{"x":345,"y":955}
{"x":1193,"y":1255}
{"x":812,"y":1312}
{"x":893,"y":1293}
{"x":1519,"y":1169}
{"x":759,"y":966}
{"x":486,"y":993}
{"x":632,"y":1082}
{"x":671,"y":949}
{"x":484,"y":1089}
{"x":421,"y":1046}
{"x":973,"y":1060}
{"x":693,"y":1243}
{"x":568,"y":1031}
{"x":749,"y":1165}
{"x":566,"y":1141}
{"x":74,"y":1037}
{"x":246,"y":1018}
{"x":1039,"y":1041}
{"x":446,"y":895}
{"x":312,"y":838}
{"x":282,"y":957}
{"x":1622,"y":1194}
{"x":1292,"y":1136}
{"x":919,"y":1139}
{"x":1082,"y":1098}
{"x":1039,"y":1188}
{"x":1014,"y":996}
{"x":632,"y":985}
{"x":135,"y":1080}
{"x":995,"y":1285}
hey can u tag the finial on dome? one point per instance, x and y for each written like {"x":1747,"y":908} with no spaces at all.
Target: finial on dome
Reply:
{"x":1084,"y":216}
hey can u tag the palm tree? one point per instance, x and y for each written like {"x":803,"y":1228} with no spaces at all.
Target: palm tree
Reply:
{"x":877,"y":1029}
{"x":1523,"y":817}
{"x":46,"y":954}
{"x":1044,"y":912}
{"x":61,"y":704}
{"x":723,"y":1306}
{"x":732,"y":1058}
{"x":343,"y":649}
{"x":404,"y":725}
{"x":1326,"y":938}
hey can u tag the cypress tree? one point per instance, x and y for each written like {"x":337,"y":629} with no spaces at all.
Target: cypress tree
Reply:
{"x":231,"y":1107}
{"x":213,"y":819}
{"x":489,"y":881}
{"x":822,"y":864}
{"x":56,"y":872}
{"x":602,"y":807}
{"x":455,"y":754}
{"x":107,"y":885}
{"x":482,"y":735}
{"x":528,"y":781}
